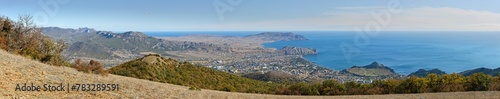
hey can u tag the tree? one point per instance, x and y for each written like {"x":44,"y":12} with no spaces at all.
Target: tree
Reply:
{"x":353,"y":88}
{"x":26,"y":39}
{"x":413,"y":85}
{"x":495,"y":84}
{"x":390,"y":86}
{"x":451,"y":83}
{"x":2,"y":35}
{"x":434,"y":82}
{"x":332,"y":87}
{"x":478,"y":82}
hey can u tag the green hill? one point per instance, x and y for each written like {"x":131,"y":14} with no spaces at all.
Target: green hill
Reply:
{"x":373,"y":69}
{"x":488,"y":71}
{"x":423,"y":72}
{"x":156,"y":68}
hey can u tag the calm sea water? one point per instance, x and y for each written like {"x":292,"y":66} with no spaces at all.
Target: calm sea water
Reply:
{"x":405,"y":52}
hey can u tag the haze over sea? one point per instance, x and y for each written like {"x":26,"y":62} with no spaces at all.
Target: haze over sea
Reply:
{"x":405,"y":52}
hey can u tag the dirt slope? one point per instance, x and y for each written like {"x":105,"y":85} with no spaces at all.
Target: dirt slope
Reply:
{"x":18,"y":70}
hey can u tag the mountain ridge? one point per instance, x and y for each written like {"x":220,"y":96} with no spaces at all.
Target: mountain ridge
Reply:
{"x":488,"y":71}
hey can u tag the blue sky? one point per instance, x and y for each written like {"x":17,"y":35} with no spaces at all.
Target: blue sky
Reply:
{"x":259,"y":15}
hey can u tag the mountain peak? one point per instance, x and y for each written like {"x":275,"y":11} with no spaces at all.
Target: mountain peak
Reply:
{"x":375,"y":65}
{"x":134,"y":34}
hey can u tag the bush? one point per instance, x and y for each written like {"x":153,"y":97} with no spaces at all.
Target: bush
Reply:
{"x":24,"y":38}
{"x":194,"y":88}
{"x":92,"y":67}
{"x":495,"y":84}
{"x":478,"y":82}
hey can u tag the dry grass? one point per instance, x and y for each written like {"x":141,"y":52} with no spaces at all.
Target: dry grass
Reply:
{"x":16,"y":69}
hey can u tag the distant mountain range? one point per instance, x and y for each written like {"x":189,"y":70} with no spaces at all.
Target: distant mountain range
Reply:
{"x":114,"y":48}
{"x":278,"y":36}
{"x":90,"y":43}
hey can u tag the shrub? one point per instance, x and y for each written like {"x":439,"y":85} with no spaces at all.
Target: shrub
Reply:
{"x":413,"y":85}
{"x":194,"y":88}
{"x":478,"y":82}
{"x":26,"y":39}
{"x":495,"y":84}
{"x":92,"y":67}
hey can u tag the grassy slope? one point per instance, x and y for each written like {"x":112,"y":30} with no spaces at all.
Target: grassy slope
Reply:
{"x":369,"y":72}
{"x":159,"y":69}
{"x":16,"y":69}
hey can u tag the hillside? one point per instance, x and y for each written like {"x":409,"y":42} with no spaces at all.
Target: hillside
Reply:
{"x":373,"y":69}
{"x":273,"y":76}
{"x":113,"y":48}
{"x":16,"y":69}
{"x":491,"y":72}
{"x":290,"y":50}
{"x":155,"y":68}
{"x":423,"y":72}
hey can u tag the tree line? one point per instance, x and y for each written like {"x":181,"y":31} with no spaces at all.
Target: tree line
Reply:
{"x":413,"y":84}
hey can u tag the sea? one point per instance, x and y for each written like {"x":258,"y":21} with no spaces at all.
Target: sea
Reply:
{"x":405,"y":52}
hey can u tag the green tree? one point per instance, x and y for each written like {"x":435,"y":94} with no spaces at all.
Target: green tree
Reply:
{"x":353,"y":88}
{"x":495,"y":84}
{"x":390,"y":86}
{"x":434,"y":82}
{"x":26,"y":39}
{"x":478,"y":82}
{"x":451,"y":83}
{"x":413,"y":85}
{"x":332,"y":87}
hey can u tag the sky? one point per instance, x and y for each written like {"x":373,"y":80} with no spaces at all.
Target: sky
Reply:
{"x":261,"y":15}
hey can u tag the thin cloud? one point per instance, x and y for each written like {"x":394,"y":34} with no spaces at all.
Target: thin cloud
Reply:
{"x":360,"y":8}
{"x":420,"y":18}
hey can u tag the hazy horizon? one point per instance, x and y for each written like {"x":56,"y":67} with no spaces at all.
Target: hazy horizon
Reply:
{"x":261,"y":15}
